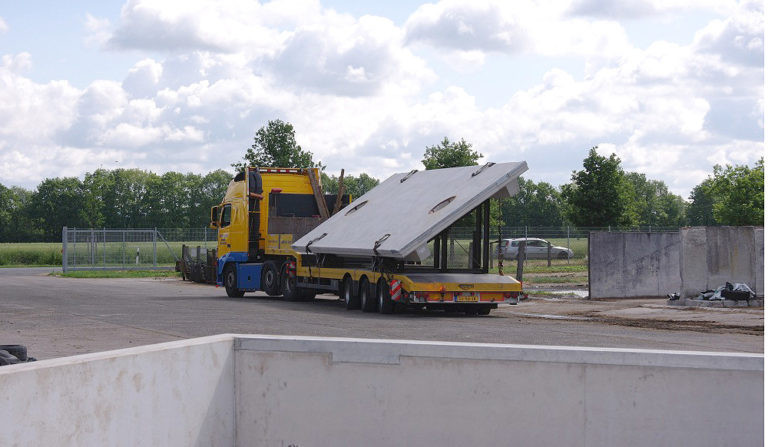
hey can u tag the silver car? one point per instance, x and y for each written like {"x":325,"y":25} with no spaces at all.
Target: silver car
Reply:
{"x":535,"y":248}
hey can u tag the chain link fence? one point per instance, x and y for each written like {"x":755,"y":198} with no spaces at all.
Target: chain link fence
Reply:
{"x":129,"y":249}
{"x":155,"y":248}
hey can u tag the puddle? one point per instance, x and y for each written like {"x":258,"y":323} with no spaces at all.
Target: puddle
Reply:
{"x":552,"y":317}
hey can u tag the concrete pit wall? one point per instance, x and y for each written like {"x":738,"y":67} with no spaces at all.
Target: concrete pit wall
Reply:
{"x":632,"y":265}
{"x":713,"y":255}
{"x":170,"y":394}
{"x":280,"y":391}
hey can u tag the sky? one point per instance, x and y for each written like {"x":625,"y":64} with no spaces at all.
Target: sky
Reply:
{"x":672,"y":87}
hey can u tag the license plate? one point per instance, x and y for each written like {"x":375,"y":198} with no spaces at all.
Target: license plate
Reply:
{"x":467,"y":298}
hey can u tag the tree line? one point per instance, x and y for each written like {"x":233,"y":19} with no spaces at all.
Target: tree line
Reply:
{"x":601,"y":194}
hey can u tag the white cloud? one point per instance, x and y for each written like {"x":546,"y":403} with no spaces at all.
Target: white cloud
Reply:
{"x":98,"y":29}
{"x":3,"y":26}
{"x":520,"y":27}
{"x":644,"y":8}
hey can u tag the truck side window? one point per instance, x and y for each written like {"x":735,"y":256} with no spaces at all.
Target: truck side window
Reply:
{"x":226,"y":215}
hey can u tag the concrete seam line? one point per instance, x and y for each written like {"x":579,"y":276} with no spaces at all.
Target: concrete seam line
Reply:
{"x":390,"y":352}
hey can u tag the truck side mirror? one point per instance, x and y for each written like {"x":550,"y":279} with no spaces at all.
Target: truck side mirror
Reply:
{"x":214,"y":217}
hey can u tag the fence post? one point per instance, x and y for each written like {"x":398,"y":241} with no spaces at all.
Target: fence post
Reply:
{"x":549,"y":254}
{"x":124,"y":249}
{"x":520,"y":258}
{"x":569,"y":242}
{"x":64,"y":249}
{"x":154,"y":248}
{"x":93,"y":248}
{"x":104,"y":246}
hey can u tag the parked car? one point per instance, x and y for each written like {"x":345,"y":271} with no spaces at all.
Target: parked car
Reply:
{"x":535,"y":248}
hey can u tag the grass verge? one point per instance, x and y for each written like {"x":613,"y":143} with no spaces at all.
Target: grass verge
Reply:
{"x":120,"y":274}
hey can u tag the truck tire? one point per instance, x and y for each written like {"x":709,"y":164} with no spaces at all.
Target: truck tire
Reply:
{"x":7,"y":358}
{"x":18,"y":351}
{"x":230,"y":282}
{"x":351,"y":298}
{"x":367,"y":300}
{"x":270,"y":279}
{"x":290,"y":291}
{"x":386,"y":305}
{"x":484,"y":310}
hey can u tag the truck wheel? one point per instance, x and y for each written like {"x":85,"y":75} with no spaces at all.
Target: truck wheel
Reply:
{"x":230,"y":282}
{"x":367,"y":300}
{"x":270,"y":279}
{"x":386,"y":305}
{"x":351,"y":299}
{"x":290,"y":291}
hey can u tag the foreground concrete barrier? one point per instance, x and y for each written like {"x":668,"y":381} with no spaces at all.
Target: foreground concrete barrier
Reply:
{"x":303,"y":391}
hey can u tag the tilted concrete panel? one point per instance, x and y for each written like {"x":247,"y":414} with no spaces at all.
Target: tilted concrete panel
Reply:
{"x":407,"y":210}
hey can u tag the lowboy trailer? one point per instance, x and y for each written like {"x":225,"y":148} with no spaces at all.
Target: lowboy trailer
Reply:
{"x":393,"y":248}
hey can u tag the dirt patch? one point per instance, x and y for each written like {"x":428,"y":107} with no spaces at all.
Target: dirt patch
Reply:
{"x":644,"y":313}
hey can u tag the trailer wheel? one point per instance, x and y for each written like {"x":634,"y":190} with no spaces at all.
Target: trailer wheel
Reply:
{"x":351,"y":299}
{"x":290,"y":291}
{"x":230,"y":282}
{"x":270,"y":279}
{"x":484,"y":310}
{"x":367,"y":301}
{"x":386,"y":305}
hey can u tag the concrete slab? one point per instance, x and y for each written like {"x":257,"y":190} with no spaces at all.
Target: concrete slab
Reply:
{"x":407,"y":210}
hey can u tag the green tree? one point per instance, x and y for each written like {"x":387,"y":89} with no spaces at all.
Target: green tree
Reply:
{"x":275,"y":146}
{"x":450,"y":155}
{"x":205,"y":192}
{"x":598,"y":195}
{"x":354,"y":186}
{"x":15,"y":222}
{"x":738,"y":193}
{"x":651,"y":203}
{"x":57,"y":203}
{"x":537,"y":204}
{"x":700,"y":211}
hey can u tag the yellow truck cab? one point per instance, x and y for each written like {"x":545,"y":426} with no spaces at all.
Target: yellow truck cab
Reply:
{"x":279,"y":234}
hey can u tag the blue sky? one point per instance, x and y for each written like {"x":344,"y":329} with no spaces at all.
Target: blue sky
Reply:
{"x":672,"y":87}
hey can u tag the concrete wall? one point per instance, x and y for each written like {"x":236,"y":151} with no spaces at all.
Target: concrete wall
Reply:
{"x":327,"y":392}
{"x":630,"y":265}
{"x":281,"y":391}
{"x":713,"y":255}
{"x":171,"y":394}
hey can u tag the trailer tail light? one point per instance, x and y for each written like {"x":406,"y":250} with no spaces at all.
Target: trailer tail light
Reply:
{"x":395,"y":290}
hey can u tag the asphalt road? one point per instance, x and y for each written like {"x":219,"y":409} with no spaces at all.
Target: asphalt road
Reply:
{"x":57,"y":317}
